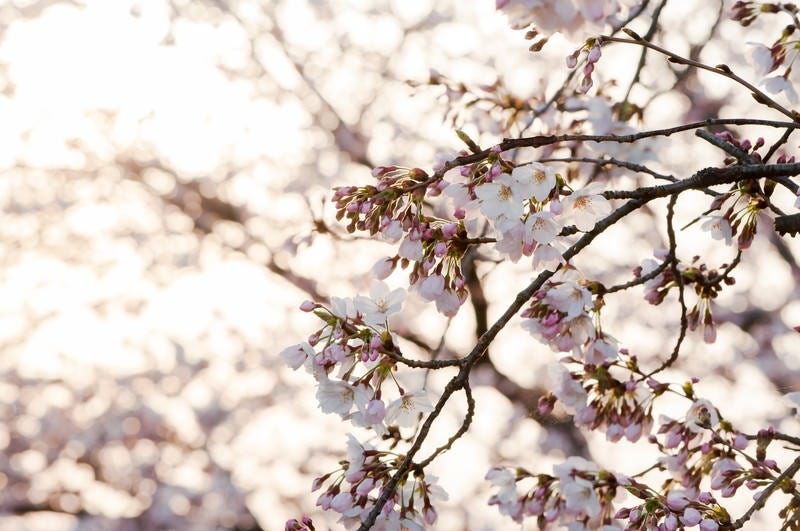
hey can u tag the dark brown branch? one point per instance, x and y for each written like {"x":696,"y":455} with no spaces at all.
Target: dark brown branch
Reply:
{"x":614,"y":162}
{"x":673,"y":261}
{"x":546,"y":140}
{"x":637,"y":281}
{"x":461,"y":430}
{"x":651,"y":31}
{"x":722,"y":70}
{"x":767,"y":492}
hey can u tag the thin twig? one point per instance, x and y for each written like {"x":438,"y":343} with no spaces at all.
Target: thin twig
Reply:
{"x":767,"y":492}
{"x":461,"y":430}
{"x":672,"y":259}
{"x":722,"y":70}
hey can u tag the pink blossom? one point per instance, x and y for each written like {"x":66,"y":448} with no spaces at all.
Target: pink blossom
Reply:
{"x":708,"y":525}
{"x":383,"y":268}
{"x":296,"y":355}
{"x":431,"y":287}
{"x":448,"y":303}
{"x":342,"y":502}
{"x":570,"y":298}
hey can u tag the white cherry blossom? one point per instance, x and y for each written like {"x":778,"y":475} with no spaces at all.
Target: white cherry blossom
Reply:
{"x":580,"y":497}
{"x":335,"y":396}
{"x":506,"y":481}
{"x":719,"y":227}
{"x":543,"y":227}
{"x":585,"y":207}
{"x":702,"y":413}
{"x":541,"y":177}
{"x":570,"y":392}
{"x":405,"y":410}
{"x":778,"y":84}
{"x":549,"y":256}
{"x":570,"y":298}
{"x":380,"y":304}
{"x":296,"y":355}
{"x":502,"y":198}
{"x":760,"y":57}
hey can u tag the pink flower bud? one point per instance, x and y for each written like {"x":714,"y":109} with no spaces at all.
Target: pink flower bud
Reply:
{"x":614,"y":432}
{"x":708,"y":525}
{"x":449,"y":230}
{"x":705,"y":497}
{"x":633,"y":432}
{"x":572,"y":59}
{"x":594,"y":54}
{"x":691,"y":517}
{"x":430,"y":515}
{"x":308,"y":306}
{"x":383,"y":268}
{"x":432,"y":287}
{"x":365,"y":487}
{"x":671,"y":523}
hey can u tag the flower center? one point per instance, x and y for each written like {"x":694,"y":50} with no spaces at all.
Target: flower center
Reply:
{"x":407,"y":403}
{"x":582,"y":202}
{"x":505,"y":192}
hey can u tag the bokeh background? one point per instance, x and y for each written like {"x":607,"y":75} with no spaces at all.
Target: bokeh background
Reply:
{"x":165,"y":169}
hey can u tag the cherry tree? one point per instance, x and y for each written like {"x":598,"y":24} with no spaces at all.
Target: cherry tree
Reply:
{"x":634,"y":193}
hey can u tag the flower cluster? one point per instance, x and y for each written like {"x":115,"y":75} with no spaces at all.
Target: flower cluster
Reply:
{"x":768,"y":59}
{"x":356,"y":335}
{"x":393,"y":209}
{"x":600,"y":400}
{"x":565,"y":16}
{"x":559,"y":316}
{"x":351,"y":490}
{"x":591,"y":50}
{"x":578,"y":495}
{"x":707,"y":282}
{"x":678,"y":509}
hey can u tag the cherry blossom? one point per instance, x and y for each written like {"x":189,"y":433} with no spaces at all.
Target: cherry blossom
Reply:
{"x":335,"y":396}
{"x":543,"y":178}
{"x":719,"y":227}
{"x":381,"y":303}
{"x":405,"y":410}
{"x":502,"y":199}
{"x":585,"y":207}
{"x":296,"y":355}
